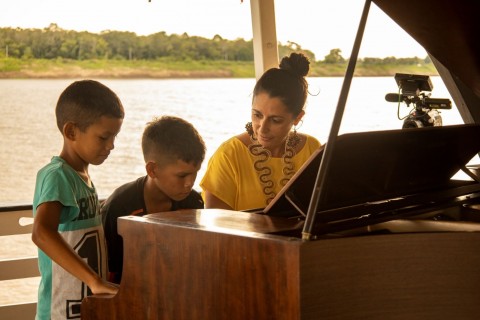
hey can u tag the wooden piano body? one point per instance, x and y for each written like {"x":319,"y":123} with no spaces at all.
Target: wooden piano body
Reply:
{"x":217,"y":264}
{"x":364,"y":262}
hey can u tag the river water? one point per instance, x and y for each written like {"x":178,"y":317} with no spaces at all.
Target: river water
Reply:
{"x":218,"y":108}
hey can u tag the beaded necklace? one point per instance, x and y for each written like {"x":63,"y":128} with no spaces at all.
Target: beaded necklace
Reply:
{"x":264,"y":171}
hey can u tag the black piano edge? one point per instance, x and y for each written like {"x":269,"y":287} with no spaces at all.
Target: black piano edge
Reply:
{"x":448,"y":208}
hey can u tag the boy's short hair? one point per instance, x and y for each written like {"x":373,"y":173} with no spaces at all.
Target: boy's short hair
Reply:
{"x":84,"y":102}
{"x":168,"y":139}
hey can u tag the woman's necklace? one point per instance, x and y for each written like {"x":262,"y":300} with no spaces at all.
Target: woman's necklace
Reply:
{"x":264,"y":171}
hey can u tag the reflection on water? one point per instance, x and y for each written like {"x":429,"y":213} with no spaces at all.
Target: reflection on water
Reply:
{"x":218,"y":108}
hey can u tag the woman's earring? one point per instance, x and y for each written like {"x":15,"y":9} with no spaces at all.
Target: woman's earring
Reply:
{"x":249,"y":128}
{"x":294,"y":139}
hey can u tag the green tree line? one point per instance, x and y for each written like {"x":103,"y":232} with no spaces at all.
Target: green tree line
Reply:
{"x":54,"y":42}
{"x":335,"y":57}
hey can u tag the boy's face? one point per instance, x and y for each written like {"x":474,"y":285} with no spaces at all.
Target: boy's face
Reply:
{"x":176,"y":179}
{"x":94,"y":145}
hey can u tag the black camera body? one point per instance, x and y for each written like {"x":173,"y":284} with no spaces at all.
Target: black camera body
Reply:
{"x":413,"y":90}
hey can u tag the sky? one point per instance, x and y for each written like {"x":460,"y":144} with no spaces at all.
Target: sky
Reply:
{"x":317,"y":25}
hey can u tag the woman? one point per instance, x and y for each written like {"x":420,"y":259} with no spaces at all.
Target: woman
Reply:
{"x":248,"y":170}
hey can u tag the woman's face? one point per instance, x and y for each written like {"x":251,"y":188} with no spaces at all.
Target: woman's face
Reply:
{"x":272,"y":122}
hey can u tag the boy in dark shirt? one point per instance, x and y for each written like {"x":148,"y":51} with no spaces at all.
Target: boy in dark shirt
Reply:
{"x":173,"y":151}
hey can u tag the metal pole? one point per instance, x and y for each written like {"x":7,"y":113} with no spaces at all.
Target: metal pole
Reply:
{"x":318,"y":194}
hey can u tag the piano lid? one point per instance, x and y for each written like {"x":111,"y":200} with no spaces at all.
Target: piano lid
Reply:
{"x":448,"y":30}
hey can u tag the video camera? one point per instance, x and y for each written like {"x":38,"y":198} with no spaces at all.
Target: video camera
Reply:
{"x":413,"y":89}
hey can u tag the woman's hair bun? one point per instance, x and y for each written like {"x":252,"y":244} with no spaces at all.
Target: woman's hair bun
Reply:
{"x":296,"y":63}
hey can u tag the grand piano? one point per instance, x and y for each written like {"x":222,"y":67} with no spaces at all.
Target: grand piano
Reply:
{"x":391,"y":233}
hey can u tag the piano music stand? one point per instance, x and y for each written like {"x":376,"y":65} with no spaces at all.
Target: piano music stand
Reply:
{"x":380,"y":167}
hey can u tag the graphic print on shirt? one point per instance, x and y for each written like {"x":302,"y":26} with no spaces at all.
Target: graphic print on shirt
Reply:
{"x":68,"y":290}
{"x":88,"y":207}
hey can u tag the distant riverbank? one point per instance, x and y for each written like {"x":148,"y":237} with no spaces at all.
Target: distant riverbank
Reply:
{"x":11,"y":68}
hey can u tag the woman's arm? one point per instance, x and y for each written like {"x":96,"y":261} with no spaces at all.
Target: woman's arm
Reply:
{"x":213,"y":202}
{"x":45,"y":235}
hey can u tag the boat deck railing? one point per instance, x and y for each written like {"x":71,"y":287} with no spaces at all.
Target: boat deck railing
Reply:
{"x":16,"y":221}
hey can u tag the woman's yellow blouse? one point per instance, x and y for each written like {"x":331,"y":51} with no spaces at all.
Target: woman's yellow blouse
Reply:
{"x":231,"y":177}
